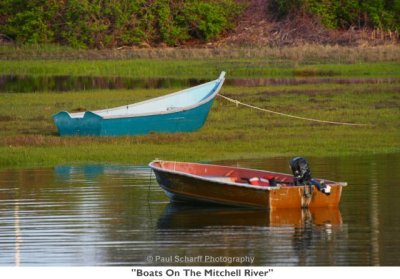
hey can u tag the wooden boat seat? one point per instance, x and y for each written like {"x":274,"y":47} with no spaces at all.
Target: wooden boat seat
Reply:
{"x":229,"y":173}
{"x":235,"y":177}
{"x":222,"y":178}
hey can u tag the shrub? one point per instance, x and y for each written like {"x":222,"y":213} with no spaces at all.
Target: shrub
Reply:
{"x":383,"y":14}
{"x":96,"y":23}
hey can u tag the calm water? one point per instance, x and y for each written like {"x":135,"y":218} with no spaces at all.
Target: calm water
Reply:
{"x":27,"y":84}
{"x":117,"y":215}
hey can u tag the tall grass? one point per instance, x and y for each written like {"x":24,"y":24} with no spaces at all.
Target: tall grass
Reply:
{"x":142,"y":68}
{"x":303,"y":54}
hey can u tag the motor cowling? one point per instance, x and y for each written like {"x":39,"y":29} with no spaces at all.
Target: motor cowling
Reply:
{"x":302,"y":175}
{"x":301,"y":171}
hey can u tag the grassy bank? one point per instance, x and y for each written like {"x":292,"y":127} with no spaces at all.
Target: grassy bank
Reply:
{"x":363,"y":87}
{"x":144,"y":68}
{"x":28,"y":137}
{"x":305,"y":61}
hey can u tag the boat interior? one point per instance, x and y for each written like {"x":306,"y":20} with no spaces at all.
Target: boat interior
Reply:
{"x":228,"y":174}
{"x":172,"y":102}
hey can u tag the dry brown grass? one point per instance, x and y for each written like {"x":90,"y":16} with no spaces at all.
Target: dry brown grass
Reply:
{"x":298,"y":54}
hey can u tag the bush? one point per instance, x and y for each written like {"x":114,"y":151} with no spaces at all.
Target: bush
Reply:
{"x":383,"y":14}
{"x":96,"y":23}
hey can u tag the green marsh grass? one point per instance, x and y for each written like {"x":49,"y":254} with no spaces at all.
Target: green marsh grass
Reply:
{"x":359,"y":85}
{"x":142,"y":68}
{"x":28,"y":136}
{"x":301,"y":61}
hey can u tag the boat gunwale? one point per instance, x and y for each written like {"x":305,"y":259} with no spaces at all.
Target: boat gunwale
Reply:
{"x":220,"y":81}
{"x":257,"y":187}
{"x":265,"y":188}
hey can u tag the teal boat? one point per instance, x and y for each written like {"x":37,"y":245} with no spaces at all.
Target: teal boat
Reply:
{"x":183,"y":111}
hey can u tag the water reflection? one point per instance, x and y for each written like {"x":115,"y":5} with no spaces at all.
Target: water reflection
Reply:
{"x":182,"y":215}
{"x":15,"y":83}
{"x":18,"y":238}
{"x":18,"y":83}
{"x":118,"y":215}
{"x":271,"y":237}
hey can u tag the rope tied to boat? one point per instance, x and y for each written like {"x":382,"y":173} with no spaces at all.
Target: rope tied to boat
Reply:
{"x":237,"y":102}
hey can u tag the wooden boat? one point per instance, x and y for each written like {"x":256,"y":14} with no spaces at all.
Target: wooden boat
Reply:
{"x":230,"y":186}
{"x":183,"y":111}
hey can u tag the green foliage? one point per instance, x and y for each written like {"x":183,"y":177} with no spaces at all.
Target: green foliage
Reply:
{"x":97,"y":23}
{"x":29,"y":22}
{"x":206,"y":20}
{"x":384,"y":14}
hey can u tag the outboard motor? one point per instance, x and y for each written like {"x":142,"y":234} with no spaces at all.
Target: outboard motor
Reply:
{"x":301,"y":171}
{"x":302,"y":175}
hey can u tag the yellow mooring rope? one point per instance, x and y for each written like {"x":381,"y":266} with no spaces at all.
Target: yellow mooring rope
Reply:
{"x":288,"y":115}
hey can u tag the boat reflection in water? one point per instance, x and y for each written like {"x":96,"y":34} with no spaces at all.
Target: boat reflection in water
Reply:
{"x":260,"y":237}
{"x":182,"y":215}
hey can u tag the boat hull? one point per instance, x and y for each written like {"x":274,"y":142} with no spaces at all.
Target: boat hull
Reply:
{"x":94,"y":125}
{"x":184,"y":186}
{"x":182,"y":111}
